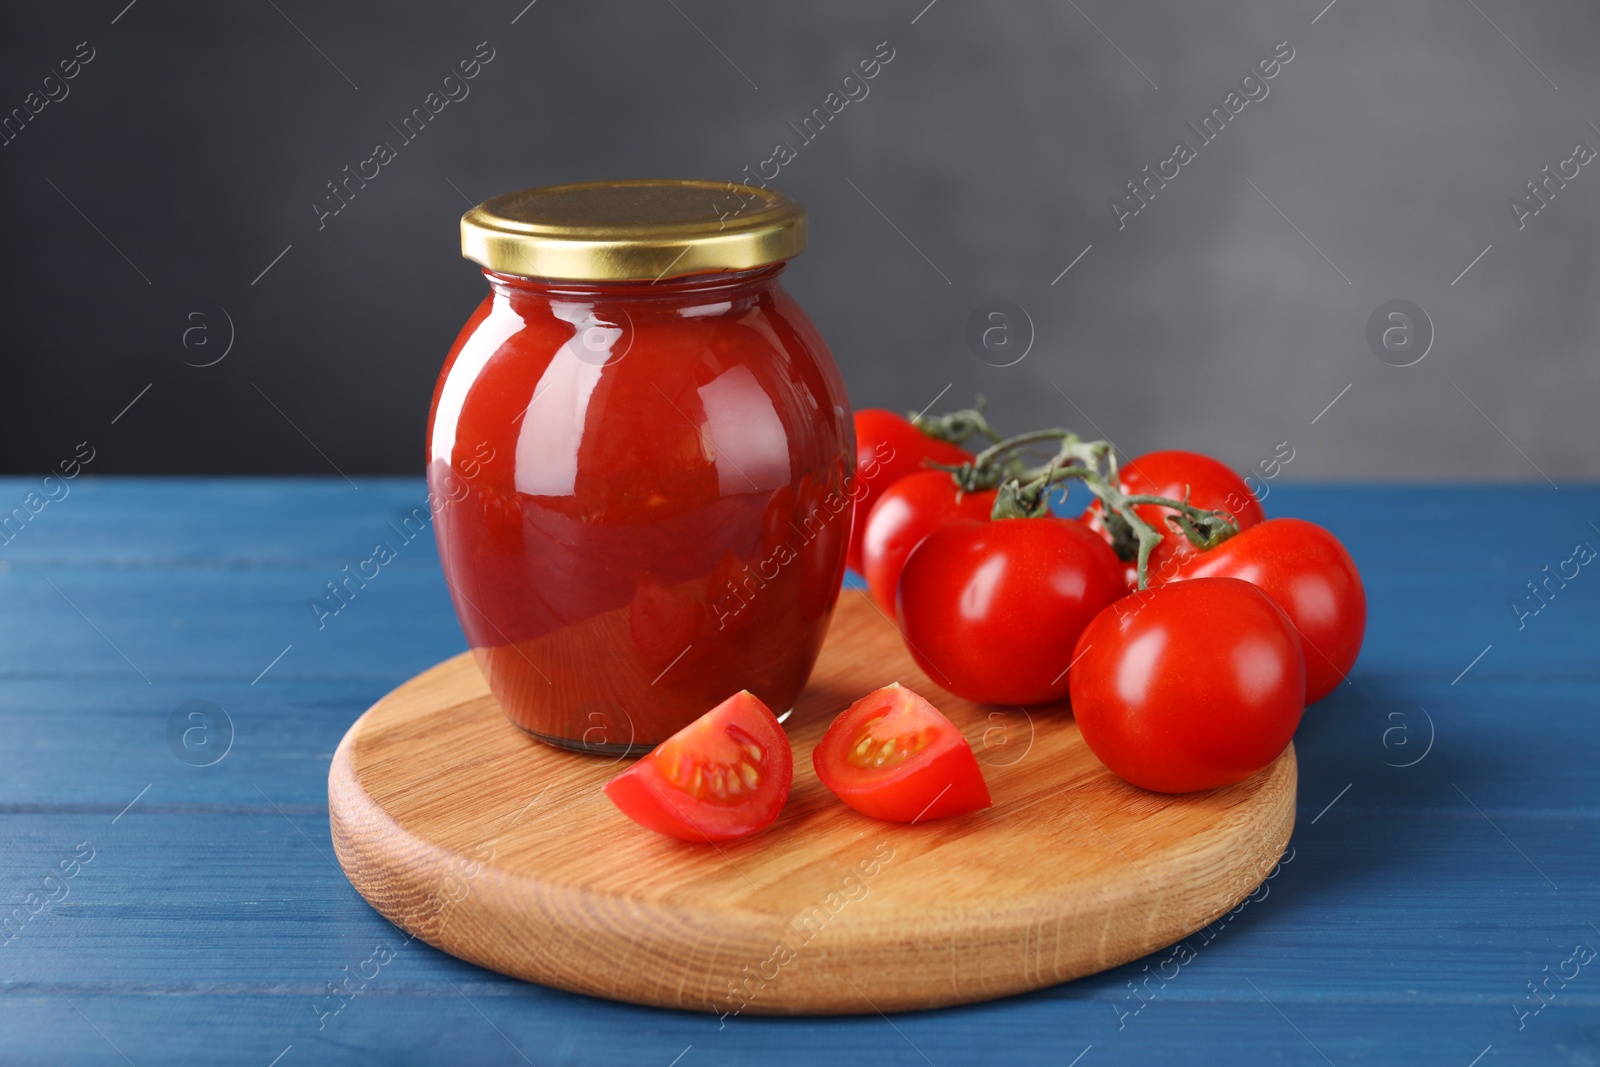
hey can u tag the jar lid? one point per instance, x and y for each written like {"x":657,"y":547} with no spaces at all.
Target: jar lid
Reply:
{"x":633,"y":230}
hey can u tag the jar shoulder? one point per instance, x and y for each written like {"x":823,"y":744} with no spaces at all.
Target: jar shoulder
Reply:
{"x":642,"y":373}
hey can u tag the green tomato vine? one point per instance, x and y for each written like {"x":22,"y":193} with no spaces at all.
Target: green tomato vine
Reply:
{"x":1023,"y":491}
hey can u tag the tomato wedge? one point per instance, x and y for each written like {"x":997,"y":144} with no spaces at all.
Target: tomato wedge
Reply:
{"x":724,"y":775}
{"x":894,"y":756}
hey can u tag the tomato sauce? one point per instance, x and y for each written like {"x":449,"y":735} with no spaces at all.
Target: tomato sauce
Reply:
{"x":642,"y":498}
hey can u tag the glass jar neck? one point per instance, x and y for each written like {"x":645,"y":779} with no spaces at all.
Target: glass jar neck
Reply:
{"x":727,"y":285}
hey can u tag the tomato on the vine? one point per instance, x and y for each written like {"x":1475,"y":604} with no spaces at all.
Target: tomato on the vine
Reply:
{"x":1194,"y":685}
{"x":889,"y":447}
{"x":894,"y":756}
{"x":725,"y":775}
{"x":1308,"y":573}
{"x":1210,"y":484}
{"x":908,"y":511}
{"x":990,"y":610}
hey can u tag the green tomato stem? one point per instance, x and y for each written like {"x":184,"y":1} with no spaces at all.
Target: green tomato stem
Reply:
{"x":955,"y":427}
{"x":1131,"y":536}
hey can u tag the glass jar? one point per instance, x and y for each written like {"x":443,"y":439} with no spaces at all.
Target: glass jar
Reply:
{"x":640,"y":457}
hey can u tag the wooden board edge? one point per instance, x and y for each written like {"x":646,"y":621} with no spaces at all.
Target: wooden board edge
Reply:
{"x":422,"y":896}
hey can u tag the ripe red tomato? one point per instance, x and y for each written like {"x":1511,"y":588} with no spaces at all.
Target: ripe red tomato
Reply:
{"x":888,"y":448}
{"x":894,"y":756}
{"x":1194,"y":685}
{"x":908,"y":511}
{"x":990,"y":610}
{"x":1211,"y":486}
{"x":1312,"y":578}
{"x":724,"y":775}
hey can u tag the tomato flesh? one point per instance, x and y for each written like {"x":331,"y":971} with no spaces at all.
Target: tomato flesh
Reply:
{"x":894,"y":756}
{"x":1194,"y":685}
{"x":725,"y":775}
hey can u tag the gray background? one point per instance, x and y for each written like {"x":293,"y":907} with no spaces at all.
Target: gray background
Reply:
{"x":190,"y":150}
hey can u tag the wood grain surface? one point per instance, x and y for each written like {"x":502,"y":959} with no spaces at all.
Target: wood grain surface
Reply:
{"x":503,"y":851}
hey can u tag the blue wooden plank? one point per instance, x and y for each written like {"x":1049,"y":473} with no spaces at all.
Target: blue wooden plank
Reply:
{"x":94,"y":743}
{"x":1478,"y":526}
{"x":166,"y":618}
{"x":220,"y":624}
{"x":273,"y":519}
{"x":518,"y":1029}
{"x":216,"y":623}
{"x":235,"y":935}
{"x":248,"y":521}
{"x":1423,"y":897}
{"x":1381,"y":907}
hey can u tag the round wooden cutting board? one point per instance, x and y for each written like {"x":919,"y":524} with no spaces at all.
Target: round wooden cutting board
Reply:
{"x":461,"y":829}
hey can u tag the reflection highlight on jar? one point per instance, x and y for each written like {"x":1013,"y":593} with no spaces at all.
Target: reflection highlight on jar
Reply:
{"x":599,"y":337}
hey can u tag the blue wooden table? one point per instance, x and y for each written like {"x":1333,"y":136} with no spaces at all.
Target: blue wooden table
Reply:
{"x":171,"y":898}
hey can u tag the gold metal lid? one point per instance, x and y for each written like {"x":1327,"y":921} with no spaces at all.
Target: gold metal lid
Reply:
{"x":633,"y":230}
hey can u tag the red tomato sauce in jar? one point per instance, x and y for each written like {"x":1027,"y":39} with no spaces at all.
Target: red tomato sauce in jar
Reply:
{"x":642,"y":488}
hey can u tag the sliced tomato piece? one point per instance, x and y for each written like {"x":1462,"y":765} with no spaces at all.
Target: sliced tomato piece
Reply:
{"x":894,"y":756}
{"x":724,"y":775}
